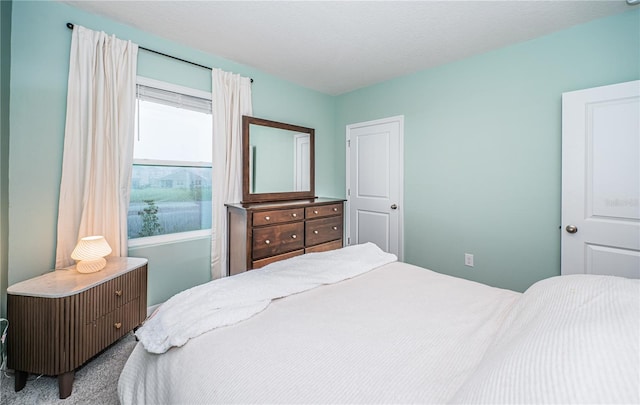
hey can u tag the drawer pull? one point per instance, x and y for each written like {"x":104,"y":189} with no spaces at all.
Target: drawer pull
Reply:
{"x":335,"y":228}
{"x":335,"y":209}
{"x":117,"y":325}
{"x":267,"y":218}
{"x":294,"y":236}
{"x":267,"y":241}
{"x":315,"y":232}
{"x":315,"y":211}
{"x":294,"y":215}
{"x":118,"y":293}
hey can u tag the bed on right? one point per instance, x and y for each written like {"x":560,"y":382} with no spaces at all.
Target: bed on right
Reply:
{"x":394,"y":333}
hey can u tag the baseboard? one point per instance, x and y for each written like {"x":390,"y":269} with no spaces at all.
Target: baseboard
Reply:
{"x":152,"y":308}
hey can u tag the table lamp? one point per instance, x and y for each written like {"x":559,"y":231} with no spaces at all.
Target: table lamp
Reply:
{"x":89,"y":253}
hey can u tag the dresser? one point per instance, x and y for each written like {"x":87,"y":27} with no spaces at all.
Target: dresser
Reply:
{"x":263,"y":233}
{"x":60,"y":320}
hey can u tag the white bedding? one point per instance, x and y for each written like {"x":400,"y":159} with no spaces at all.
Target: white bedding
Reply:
{"x":571,"y":339}
{"x":233,"y":299}
{"x":398,"y":333}
{"x":404,"y":334}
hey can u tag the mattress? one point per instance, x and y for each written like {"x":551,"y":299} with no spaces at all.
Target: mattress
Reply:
{"x":396,"y":334}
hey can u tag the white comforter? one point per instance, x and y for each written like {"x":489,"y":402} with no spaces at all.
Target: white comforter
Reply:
{"x":398,"y":333}
{"x":234,"y":299}
{"x":404,"y":334}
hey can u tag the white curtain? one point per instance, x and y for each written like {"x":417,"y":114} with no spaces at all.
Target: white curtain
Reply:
{"x":231,"y":100}
{"x":98,"y":142}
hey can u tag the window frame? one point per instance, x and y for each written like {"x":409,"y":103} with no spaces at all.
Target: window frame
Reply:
{"x":147,"y":241}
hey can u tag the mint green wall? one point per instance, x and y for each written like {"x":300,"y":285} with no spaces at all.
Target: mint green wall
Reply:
{"x":39,"y":68}
{"x":482,"y":148}
{"x":482,"y":143}
{"x":5,"y":79}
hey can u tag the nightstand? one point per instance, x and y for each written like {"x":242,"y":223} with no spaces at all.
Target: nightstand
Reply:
{"x":60,"y":320}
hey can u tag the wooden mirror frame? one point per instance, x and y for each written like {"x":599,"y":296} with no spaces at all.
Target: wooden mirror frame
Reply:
{"x":248,"y":197}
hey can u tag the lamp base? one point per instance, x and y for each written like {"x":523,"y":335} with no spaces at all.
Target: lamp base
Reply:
{"x":91,"y":266}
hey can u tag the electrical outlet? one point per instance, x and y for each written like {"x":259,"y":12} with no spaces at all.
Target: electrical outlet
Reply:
{"x":468,"y":259}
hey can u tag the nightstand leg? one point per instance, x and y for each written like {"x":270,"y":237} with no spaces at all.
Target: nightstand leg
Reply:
{"x":65,"y":384}
{"x":21,"y":380}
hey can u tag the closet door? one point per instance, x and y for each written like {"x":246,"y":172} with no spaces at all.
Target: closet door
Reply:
{"x":601,"y":181}
{"x":374,"y":184}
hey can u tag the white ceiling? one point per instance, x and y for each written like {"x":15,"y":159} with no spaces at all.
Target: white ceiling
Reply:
{"x":338,"y":46}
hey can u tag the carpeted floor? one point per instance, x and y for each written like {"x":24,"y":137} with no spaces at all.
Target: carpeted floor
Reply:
{"x":95,"y":383}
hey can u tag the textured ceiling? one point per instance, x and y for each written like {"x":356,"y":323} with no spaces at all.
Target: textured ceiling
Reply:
{"x":338,"y":46}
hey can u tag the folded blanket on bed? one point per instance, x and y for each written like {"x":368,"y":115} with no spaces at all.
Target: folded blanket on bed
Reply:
{"x":230,"y":300}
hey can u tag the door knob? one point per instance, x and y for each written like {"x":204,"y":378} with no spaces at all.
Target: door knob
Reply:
{"x":394,"y":207}
{"x":572,"y":228}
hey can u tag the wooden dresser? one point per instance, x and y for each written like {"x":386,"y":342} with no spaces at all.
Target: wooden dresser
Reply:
{"x":263,"y":233}
{"x":60,"y":320}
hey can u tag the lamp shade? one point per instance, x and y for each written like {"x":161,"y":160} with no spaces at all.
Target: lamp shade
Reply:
{"x":90,"y":252}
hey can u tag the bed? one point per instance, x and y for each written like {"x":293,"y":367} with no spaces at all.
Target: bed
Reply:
{"x":397,"y":333}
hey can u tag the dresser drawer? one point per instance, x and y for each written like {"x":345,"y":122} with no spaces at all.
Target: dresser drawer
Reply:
{"x":274,"y":240}
{"x":323,"y":211}
{"x":324,"y":247}
{"x":277,"y":216}
{"x":323,"y":230}
{"x":263,"y":262}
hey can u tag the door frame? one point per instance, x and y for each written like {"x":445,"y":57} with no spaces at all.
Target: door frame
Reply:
{"x":347,"y":217}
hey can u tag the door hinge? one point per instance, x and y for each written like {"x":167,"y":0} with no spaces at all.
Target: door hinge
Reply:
{"x":348,"y":192}
{"x":348,"y":143}
{"x":348,"y":241}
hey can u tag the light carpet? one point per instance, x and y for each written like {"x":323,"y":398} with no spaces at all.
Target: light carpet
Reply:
{"x":95,"y":383}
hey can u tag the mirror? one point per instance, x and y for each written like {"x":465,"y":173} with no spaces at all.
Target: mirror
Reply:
{"x":277,"y":161}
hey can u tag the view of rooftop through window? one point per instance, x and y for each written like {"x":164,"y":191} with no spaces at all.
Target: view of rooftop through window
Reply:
{"x":171,"y":178}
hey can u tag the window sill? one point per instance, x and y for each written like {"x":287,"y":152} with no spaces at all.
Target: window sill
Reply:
{"x":169,"y":238}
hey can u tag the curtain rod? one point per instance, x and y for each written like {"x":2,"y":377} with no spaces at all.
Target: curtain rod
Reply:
{"x":70,"y":26}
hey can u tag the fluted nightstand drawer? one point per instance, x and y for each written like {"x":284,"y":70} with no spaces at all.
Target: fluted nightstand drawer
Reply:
{"x":104,"y":298}
{"x":109,"y":328}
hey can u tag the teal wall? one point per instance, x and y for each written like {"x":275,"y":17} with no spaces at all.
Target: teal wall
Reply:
{"x":482,"y":143}
{"x":5,"y":80}
{"x":40,"y":45}
{"x":482,"y":148}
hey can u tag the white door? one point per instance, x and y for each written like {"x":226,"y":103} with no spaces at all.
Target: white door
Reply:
{"x":374,"y":184}
{"x":301,"y":163}
{"x":601,"y":181}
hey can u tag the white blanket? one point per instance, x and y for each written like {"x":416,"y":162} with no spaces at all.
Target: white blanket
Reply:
{"x":396,"y":334}
{"x":403,"y":334}
{"x":233,"y":299}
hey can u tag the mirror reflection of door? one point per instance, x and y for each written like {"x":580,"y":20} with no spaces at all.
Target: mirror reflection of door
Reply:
{"x":252,"y":167}
{"x":279,"y":160}
{"x":301,"y":163}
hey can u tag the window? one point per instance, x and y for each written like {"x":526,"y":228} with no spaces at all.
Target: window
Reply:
{"x":171,"y":178}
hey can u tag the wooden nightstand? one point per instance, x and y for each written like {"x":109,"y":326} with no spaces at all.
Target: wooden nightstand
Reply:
{"x":61,"y":319}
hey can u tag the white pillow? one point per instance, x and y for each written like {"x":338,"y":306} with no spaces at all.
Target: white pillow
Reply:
{"x":569,"y":339}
